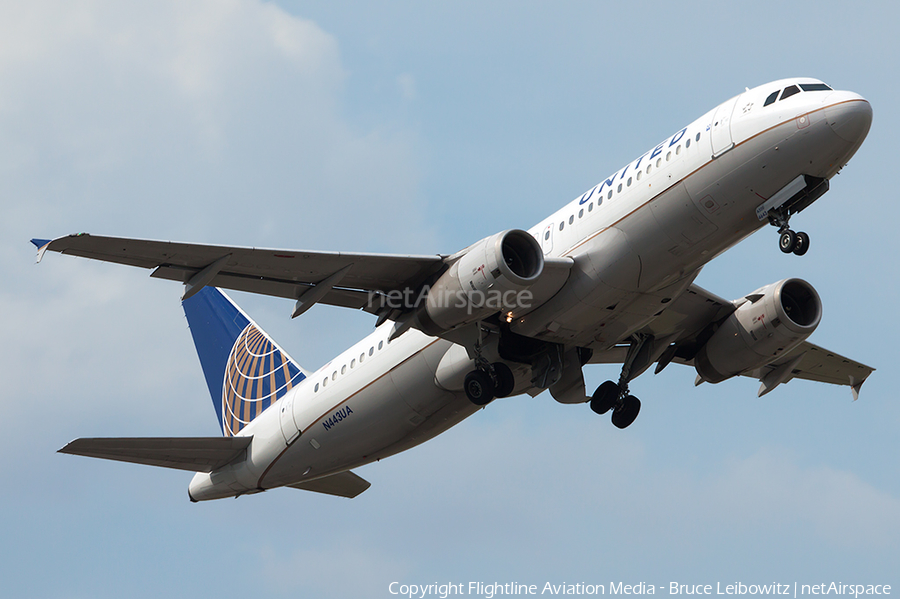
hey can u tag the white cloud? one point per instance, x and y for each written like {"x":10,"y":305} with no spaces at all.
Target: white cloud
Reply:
{"x":194,"y":120}
{"x":205,"y":120}
{"x":407,"y":84}
{"x":606,"y":489}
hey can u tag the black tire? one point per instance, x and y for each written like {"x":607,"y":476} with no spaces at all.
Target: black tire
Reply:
{"x":479,"y":388}
{"x":787,"y":241}
{"x":605,"y":397}
{"x":623,"y":416}
{"x":801,"y":246}
{"x":506,"y":382}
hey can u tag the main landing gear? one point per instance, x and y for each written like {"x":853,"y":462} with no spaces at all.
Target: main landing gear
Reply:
{"x":610,"y":396}
{"x":489,"y":381}
{"x":614,"y":396}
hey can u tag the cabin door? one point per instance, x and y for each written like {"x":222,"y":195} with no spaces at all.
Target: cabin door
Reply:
{"x":720,"y":128}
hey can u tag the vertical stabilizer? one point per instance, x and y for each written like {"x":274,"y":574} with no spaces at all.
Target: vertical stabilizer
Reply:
{"x":245,"y":370}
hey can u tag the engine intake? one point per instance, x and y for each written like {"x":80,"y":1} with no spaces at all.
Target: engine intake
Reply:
{"x":766,"y":324}
{"x":493,"y":275}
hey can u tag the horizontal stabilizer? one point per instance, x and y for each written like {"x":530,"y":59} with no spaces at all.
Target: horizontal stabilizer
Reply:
{"x":345,"y":484}
{"x":196,"y":454}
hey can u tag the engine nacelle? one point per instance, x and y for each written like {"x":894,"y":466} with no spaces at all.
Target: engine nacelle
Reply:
{"x":492,"y":276}
{"x":770,"y":321}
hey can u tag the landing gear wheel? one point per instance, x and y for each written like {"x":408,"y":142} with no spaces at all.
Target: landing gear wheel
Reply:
{"x":787,"y":241}
{"x":479,"y":388}
{"x":625,"y":414}
{"x":801,"y":245}
{"x":505,"y":379}
{"x":605,"y":397}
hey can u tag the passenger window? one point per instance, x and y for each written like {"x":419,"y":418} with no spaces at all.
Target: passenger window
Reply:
{"x":678,"y":149}
{"x":591,"y":207}
{"x":658,"y":162}
{"x":628,"y":183}
{"x":649,"y":168}
{"x":668,"y":156}
{"x":619,"y":188}
{"x":571,"y":219}
{"x":362,"y":357}
{"x":687,"y":144}
{"x":639,"y":175}
{"x":325,"y":382}
{"x":380,"y":345}
{"x":316,"y":390}
{"x":790,"y":91}
{"x":697,"y":137}
{"x":547,"y":235}
{"x":771,"y":98}
{"x":609,"y":195}
{"x":353,"y":363}
{"x":561,"y":225}
{"x":581,"y":213}
{"x":371,"y":350}
{"x":334,"y":375}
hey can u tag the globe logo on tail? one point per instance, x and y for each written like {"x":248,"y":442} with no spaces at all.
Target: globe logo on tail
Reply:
{"x":257,"y":374}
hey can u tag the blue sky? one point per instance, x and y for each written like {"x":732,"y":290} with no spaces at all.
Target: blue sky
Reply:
{"x":420,"y":128}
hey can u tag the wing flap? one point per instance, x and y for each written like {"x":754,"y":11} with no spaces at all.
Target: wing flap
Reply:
{"x":690,"y":313}
{"x":196,"y":454}
{"x":344,"y":484}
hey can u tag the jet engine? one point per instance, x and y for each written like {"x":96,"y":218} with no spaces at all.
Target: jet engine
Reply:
{"x":492,"y":276}
{"x":766,"y":324}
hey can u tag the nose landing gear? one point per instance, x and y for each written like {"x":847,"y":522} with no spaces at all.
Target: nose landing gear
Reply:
{"x":791,"y":199}
{"x":789,"y":242}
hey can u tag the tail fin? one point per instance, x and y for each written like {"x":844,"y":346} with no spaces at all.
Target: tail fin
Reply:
{"x":246,"y":371}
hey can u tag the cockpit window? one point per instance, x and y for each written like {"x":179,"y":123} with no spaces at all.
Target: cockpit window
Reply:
{"x":790,"y":91}
{"x":793,"y":89}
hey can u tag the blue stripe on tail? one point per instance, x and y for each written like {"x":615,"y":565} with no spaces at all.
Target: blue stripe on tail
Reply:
{"x":245,"y":370}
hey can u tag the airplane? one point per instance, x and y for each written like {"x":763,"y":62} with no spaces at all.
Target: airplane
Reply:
{"x":606,"y":279}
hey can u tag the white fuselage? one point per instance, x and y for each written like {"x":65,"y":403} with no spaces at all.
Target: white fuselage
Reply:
{"x":638,"y":240}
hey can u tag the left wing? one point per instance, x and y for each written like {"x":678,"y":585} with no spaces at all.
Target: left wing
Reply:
{"x":335,"y":278}
{"x":813,"y":363}
{"x":683,"y":328}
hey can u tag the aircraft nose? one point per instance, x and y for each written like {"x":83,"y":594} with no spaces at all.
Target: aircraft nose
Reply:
{"x":850,"y":118}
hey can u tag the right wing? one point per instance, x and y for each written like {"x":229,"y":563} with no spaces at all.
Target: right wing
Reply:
{"x":349,"y":279}
{"x":360,"y":281}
